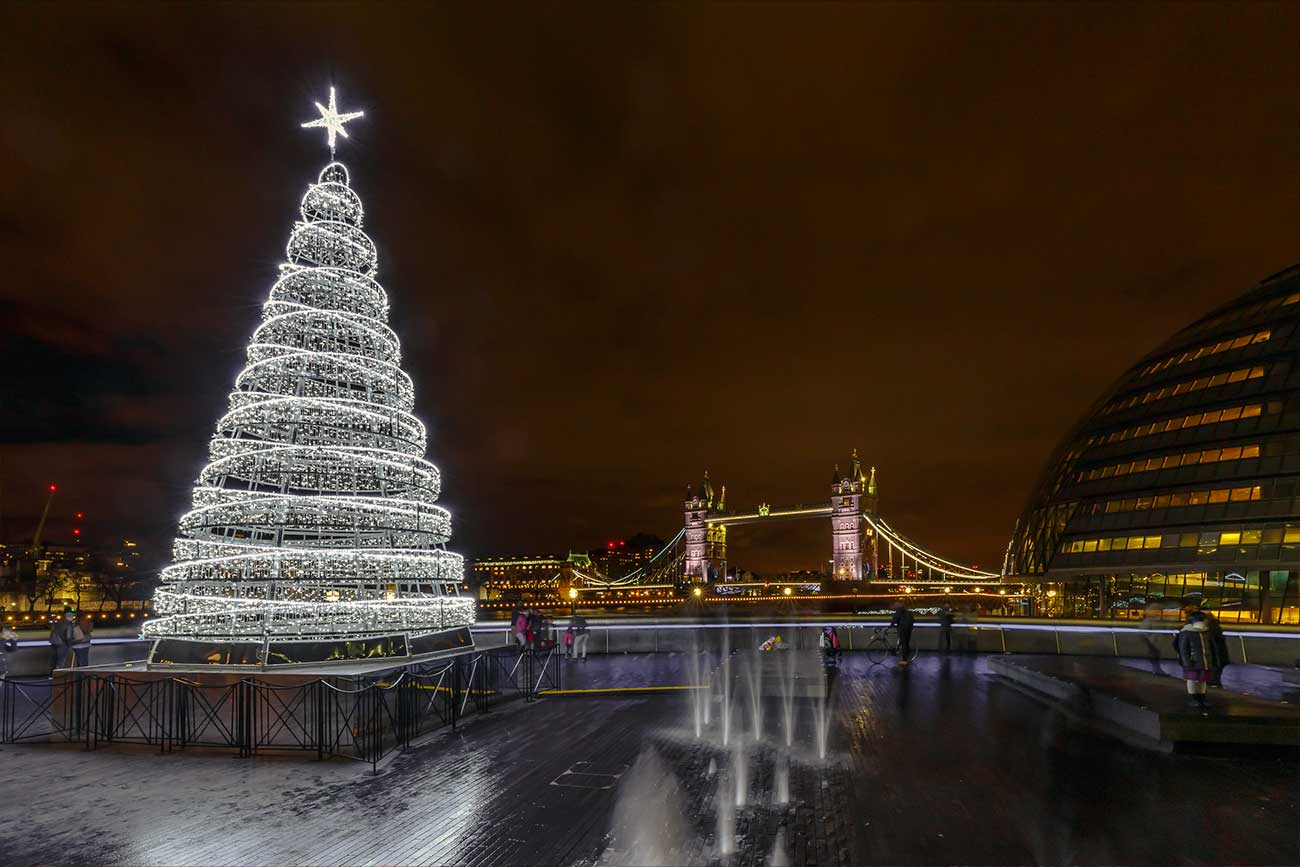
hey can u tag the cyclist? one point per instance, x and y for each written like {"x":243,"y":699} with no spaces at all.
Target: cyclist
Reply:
{"x":902,"y":621}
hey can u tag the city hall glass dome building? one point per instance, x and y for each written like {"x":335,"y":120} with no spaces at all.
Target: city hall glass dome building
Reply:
{"x":1182,"y":484}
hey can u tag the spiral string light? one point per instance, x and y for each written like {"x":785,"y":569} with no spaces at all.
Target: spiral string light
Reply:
{"x":316,"y":513}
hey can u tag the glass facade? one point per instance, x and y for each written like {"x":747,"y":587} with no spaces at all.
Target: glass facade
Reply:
{"x":1182,"y":483}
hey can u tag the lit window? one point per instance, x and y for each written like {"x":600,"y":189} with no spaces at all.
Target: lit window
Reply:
{"x":1228,"y":538}
{"x":1186,"y":386}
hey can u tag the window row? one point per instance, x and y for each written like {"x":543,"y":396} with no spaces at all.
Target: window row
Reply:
{"x":1196,"y":419}
{"x":1185,"y":387}
{"x":1204,"y":540}
{"x":1206,"y":456}
{"x":1249,"y":596}
{"x":1182,"y":498}
{"x":1242,"y":314}
{"x":1206,"y":350}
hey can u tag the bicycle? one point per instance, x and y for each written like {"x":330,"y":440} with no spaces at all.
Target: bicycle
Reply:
{"x":883,"y":644}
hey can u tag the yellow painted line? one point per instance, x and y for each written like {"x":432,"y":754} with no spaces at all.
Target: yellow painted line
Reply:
{"x":608,"y":689}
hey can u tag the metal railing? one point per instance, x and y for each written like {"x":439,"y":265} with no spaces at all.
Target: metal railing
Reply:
{"x":364,"y":719}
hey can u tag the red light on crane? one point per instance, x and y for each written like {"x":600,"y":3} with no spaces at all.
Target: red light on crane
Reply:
{"x":76,"y":531}
{"x":80,"y":516}
{"x":53,"y":488}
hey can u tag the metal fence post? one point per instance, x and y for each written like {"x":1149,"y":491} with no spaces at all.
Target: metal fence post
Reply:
{"x":376,"y":725}
{"x":319,"y":703}
{"x":243,"y":719}
{"x":454,"y":694}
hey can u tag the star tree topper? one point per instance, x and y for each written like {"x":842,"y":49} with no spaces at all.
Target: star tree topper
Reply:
{"x":331,"y":121}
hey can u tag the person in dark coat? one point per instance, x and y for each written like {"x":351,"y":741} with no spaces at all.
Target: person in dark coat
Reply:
{"x":945,"y":628}
{"x":1195,"y":656}
{"x":903,"y":620}
{"x":61,"y":638}
{"x":1218,"y":649}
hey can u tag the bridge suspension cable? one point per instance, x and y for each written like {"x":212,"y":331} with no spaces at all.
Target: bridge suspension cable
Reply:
{"x":948,"y":570}
{"x":653,"y":572}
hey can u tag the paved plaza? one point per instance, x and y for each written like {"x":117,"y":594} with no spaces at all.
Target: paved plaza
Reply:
{"x":939,"y":763}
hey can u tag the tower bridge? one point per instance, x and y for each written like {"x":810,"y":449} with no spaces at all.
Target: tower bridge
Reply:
{"x":864,"y":547}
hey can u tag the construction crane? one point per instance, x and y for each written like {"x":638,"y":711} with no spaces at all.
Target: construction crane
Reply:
{"x":40,"y":528}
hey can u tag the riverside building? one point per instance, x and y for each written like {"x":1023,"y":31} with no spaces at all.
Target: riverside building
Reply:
{"x":1182,"y":484}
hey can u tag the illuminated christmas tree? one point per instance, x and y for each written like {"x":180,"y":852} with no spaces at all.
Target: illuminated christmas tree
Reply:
{"x":314,"y":523}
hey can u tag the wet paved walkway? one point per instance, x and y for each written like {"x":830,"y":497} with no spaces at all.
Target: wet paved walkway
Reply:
{"x":936,"y":763}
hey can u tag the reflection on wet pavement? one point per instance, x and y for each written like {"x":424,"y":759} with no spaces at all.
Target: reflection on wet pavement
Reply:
{"x":936,"y":763}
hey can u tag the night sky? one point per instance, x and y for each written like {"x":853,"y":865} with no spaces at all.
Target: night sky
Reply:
{"x":626,"y":243}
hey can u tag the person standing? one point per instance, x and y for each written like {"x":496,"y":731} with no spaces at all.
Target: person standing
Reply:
{"x":1218,"y":649}
{"x":61,"y":635}
{"x":533,"y":633}
{"x":945,"y":628}
{"x":512,"y":628}
{"x":580,"y":636}
{"x":81,"y":639}
{"x":8,"y":644}
{"x":1194,"y":655}
{"x":1150,"y":623}
{"x":830,"y":645}
{"x":903,"y":621}
{"x":519,"y":627}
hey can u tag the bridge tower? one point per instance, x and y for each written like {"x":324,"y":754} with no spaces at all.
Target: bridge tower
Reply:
{"x":705,"y":544}
{"x":851,"y":492}
{"x":870,"y":506}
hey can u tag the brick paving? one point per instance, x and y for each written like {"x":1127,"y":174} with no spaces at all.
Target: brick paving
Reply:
{"x":938,"y":763}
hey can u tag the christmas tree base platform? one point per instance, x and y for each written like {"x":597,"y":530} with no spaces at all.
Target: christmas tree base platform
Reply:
{"x":361,"y":710}
{"x":326,"y":656}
